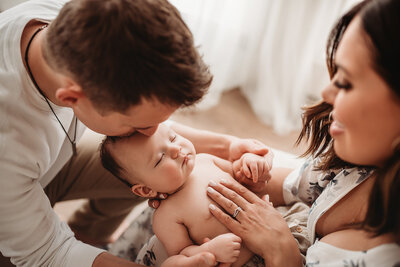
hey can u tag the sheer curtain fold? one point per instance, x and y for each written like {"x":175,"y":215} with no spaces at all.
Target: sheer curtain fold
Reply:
{"x":274,"y":50}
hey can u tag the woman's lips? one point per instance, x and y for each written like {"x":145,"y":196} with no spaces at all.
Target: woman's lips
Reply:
{"x":336,"y":128}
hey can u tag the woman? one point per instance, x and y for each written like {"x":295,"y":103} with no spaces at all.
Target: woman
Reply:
{"x":352,"y":180}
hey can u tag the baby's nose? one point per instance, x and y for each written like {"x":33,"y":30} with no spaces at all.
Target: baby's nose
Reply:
{"x":175,"y":151}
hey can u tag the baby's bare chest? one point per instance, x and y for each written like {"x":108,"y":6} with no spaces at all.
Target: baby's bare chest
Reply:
{"x":195,"y":213}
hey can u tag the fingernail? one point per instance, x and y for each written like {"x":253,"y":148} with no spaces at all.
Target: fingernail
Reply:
{"x":210,"y":190}
{"x":224,"y":181}
{"x":163,"y":196}
{"x":267,"y":198}
{"x":153,"y":205}
{"x":211,"y":206}
{"x":212,"y":183}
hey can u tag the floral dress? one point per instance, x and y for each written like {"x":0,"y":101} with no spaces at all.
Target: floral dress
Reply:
{"x":322,"y":190}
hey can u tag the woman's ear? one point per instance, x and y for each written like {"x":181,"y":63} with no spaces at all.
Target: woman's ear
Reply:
{"x":143,"y":191}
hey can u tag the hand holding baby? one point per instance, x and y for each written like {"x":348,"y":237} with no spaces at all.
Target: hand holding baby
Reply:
{"x":253,"y":170}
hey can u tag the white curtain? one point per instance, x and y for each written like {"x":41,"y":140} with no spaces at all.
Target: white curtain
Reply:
{"x":274,"y":50}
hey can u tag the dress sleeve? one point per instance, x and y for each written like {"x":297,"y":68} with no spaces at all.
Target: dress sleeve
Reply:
{"x":305,"y":184}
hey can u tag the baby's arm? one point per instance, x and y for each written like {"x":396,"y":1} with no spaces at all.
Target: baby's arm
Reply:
{"x":176,"y":240}
{"x":169,"y":230}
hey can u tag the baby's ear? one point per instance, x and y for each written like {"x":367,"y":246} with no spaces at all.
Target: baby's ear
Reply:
{"x":143,"y":191}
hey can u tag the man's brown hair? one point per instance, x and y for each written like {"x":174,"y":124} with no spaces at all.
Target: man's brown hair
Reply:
{"x":121,"y":51}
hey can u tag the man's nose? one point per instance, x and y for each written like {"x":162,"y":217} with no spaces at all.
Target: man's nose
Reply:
{"x":329,"y":93}
{"x":148,"y":131}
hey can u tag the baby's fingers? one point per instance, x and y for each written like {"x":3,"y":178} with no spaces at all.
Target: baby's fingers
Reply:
{"x":246,"y":170}
{"x":254,"y":171}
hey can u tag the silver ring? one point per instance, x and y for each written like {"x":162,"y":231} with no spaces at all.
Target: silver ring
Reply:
{"x":236,"y":212}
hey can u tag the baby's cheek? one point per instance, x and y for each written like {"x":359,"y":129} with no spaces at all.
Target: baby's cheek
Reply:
{"x":172,"y":170}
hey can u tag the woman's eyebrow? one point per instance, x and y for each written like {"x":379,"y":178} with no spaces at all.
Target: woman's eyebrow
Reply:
{"x":344,"y":69}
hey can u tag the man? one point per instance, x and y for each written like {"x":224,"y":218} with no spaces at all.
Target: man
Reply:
{"x":115,"y":66}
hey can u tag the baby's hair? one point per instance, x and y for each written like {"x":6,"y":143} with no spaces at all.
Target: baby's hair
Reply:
{"x":108,"y":161}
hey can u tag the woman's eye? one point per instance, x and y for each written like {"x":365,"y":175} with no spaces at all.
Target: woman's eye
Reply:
{"x":158,"y":162}
{"x":342,"y":85}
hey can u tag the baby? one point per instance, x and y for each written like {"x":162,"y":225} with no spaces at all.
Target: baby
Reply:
{"x":167,"y":163}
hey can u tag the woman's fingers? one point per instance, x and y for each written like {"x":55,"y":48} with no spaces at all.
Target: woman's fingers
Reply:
{"x":225,"y":219}
{"x":235,"y":191}
{"x":227,"y":199}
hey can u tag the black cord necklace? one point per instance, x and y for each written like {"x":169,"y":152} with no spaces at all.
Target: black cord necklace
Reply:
{"x":72,"y":141}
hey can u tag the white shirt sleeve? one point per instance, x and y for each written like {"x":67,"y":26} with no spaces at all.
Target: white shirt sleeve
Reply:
{"x":30,"y":231}
{"x":31,"y":142}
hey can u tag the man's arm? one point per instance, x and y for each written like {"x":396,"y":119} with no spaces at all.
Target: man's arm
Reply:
{"x":206,"y":141}
{"x":221,"y":145}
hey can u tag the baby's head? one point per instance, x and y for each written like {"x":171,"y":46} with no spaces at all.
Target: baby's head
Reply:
{"x":160,"y":163}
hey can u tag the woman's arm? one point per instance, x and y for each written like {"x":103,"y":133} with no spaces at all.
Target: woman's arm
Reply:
{"x":274,"y":188}
{"x":261,"y":227}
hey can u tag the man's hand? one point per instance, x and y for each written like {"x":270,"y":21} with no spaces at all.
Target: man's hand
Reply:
{"x":240,"y":146}
{"x":253,"y":167}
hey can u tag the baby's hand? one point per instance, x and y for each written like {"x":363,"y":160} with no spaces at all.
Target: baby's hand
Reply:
{"x":225,"y":247}
{"x":252,"y":166}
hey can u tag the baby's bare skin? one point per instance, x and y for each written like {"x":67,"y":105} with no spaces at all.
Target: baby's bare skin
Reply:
{"x":188,"y":209}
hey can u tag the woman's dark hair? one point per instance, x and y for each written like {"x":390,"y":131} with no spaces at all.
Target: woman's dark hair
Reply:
{"x":381,"y":24}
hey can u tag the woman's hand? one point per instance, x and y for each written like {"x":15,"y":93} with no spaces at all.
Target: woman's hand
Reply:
{"x":261,"y":227}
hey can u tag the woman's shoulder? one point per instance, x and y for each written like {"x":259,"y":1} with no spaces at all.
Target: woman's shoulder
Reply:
{"x":352,"y":247}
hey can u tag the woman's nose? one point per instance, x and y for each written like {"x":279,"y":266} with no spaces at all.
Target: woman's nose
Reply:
{"x":175,"y":151}
{"x":329,"y":93}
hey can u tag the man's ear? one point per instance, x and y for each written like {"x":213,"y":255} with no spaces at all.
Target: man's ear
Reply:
{"x":143,"y":191}
{"x":69,"y":93}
